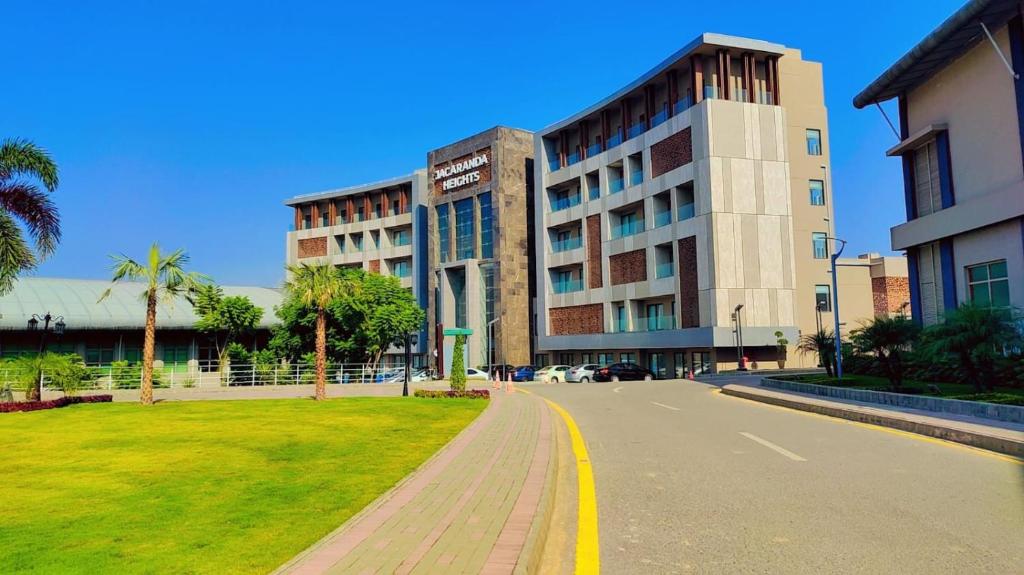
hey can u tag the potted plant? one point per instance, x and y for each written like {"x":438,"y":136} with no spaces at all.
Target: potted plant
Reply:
{"x":780,"y":349}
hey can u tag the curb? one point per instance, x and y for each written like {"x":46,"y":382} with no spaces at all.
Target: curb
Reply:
{"x":533,"y":553}
{"x":1005,"y":445}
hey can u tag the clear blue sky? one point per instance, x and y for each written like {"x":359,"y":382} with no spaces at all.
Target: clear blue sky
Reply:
{"x":188,"y":123}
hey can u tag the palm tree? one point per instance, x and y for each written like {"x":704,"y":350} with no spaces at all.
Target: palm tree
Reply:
{"x":165,"y":280}
{"x":888,"y":338}
{"x":821,"y":344}
{"x":23,"y":200}
{"x":317,"y":286}
{"x":975,"y":336}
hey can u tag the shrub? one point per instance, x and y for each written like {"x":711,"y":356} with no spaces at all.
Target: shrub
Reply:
{"x":458,"y":375}
{"x":11,"y":407}
{"x":126,"y":375}
{"x":443,"y":393}
{"x":69,"y":374}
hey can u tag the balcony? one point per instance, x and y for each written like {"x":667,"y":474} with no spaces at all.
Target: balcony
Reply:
{"x":636,"y":177}
{"x":615,"y":185}
{"x":402,"y":240}
{"x":565,"y":203}
{"x":593,"y":150}
{"x":765,"y":98}
{"x":555,"y":164}
{"x":573,"y":158}
{"x":568,"y":286}
{"x":656,"y":323}
{"x":662,"y":218}
{"x":595,"y":191}
{"x":637,"y":129}
{"x":686,"y":211}
{"x":683,"y":104}
{"x":710,"y":92}
{"x":659,"y":118}
{"x":567,"y":244}
{"x":627,"y":229}
{"x":615,"y":140}
{"x":664,"y":270}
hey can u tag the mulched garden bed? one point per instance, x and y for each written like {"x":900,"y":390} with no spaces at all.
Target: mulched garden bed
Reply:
{"x":13,"y":406}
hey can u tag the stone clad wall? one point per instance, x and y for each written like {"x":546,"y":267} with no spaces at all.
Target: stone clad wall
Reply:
{"x":577,"y":319}
{"x":628,"y":267}
{"x":672,"y":152}
{"x":595,"y":271}
{"x":313,"y":247}
{"x":689,"y":300}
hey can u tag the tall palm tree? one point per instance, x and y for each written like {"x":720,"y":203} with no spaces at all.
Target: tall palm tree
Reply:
{"x":317,"y":286}
{"x":165,"y":279}
{"x":22,"y":200}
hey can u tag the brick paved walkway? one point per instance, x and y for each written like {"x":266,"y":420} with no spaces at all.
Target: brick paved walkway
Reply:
{"x":468,"y":510}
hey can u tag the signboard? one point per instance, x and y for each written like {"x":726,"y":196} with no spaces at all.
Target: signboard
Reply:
{"x":462,"y":172}
{"x":457,"y":331}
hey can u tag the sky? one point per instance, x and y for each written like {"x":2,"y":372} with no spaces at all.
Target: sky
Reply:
{"x":189,"y":123}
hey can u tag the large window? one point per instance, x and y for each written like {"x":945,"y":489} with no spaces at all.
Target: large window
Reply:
{"x":823,"y":297}
{"x":927,"y":189}
{"x":175,"y":354}
{"x":620,"y":318}
{"x":487,"y":271}
{"x":402,"y":268}
{"x":988,"y":285}
{"x":486,"y":226}
{"x":465,"y":239}
{"x":817,"y":193}
{"x":627,"y":357}
{"x":813,"y":142}
{"x":605,"y":358}
{"x":444,"y":237}
{"x":566,"y":358}
{"x":99,"y":354}
{"x":819,"y":241}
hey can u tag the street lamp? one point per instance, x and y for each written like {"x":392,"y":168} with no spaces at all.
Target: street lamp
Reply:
{"x":58,"y":328}
{"x":742,"y":365}
{"x":490,"y":346}
{"x":835,"y":307}
{"x":411,"y":339}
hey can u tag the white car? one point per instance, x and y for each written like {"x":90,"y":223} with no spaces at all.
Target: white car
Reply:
{"x":552,"y":374}
{"x":476,"y":374}
{"x":581,"y":373}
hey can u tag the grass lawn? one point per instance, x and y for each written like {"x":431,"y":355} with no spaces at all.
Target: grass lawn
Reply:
{"x":202,"y":487}
{"x":1011,"y":395}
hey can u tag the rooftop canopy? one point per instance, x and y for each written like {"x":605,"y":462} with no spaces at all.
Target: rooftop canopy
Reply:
{"x":949,"y":41}
{"x":76,"y":300}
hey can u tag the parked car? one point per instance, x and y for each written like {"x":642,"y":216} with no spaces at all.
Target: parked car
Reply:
{"x":623,"y":372}
{"x":501,"y":370}
{"x":421,"y":375}
{"x":552,"y":373}
{"x":523,"y":373}
{"x":476,"y":374}
{"x":581,"y":373}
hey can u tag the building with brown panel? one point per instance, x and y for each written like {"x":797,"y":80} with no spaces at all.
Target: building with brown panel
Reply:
{"x":703,"y":188}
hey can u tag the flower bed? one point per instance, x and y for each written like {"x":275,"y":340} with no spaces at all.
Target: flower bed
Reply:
{"x":468,"y":394}
{"x":12,"y":406}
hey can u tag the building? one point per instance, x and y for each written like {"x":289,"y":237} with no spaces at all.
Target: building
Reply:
{"x":961,"y":102}
{"x":112,"y":330}
{"x":480,"y":241}
{"x":379,"y":227}
{"x":870,"y":286}
{"x":696,"y":194}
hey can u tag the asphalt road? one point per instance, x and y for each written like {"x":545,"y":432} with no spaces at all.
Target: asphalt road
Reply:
{"x":689,"y":480}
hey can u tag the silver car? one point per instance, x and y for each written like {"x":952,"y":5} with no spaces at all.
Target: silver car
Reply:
{"x":581,"y":373}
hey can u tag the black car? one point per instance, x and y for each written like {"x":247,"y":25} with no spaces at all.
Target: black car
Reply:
{"x":501,"y":370}
{"x":623,"y":372}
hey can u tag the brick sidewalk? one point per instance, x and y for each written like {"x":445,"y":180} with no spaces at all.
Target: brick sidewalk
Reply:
{"x":468,"y":510}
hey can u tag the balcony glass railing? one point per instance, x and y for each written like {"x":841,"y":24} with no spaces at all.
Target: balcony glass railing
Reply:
{"x":710,"y":92}
{"x":402,"y":240}
{"x":659,"y":118}
{"x":595,"y":191}
{"x":662,"y":218}
{"x":686,"y":212}
{"x":567,"y":244}
{"x":627,"y":229}
{"x":568,"y":286}
{"x":565,"y":203}
{"x":683,"y":104}
{"x":765,"y":98}
{"x":740,"y":95}
{"x":636,"y":177}
{"x":615,"y":185}
{"x":593,"y":150}
{"x":620,"y":326}
{"x":656,"y":323}
{"x":555,"y":165}
{"x":615,"y":140}
{"x":573,"y":158}
{"x":637,"y":129}
{"x":665,"y":270}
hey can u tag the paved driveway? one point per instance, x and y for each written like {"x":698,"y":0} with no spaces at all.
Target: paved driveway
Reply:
{"x":689,"y":480}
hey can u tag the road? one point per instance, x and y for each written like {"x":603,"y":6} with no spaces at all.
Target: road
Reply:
{"x":692,"y":481}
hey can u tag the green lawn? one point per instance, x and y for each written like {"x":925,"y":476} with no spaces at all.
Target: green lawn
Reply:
{"x":202,"y":487}
{"x":1013,"y":395}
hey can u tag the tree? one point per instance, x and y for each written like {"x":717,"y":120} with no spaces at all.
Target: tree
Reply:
{"x":458,"y":377}
{"x":316,"y":286}
{"x":166,"y":280}
{"x":28,"y":371}
{"x":888,"y":338}
{"x":780,"y":349}
{"x":975,"y":336}
{"x":378,"y":315}
{"x":822,"y":344}
{"x":22,"y":200}
{"x":224,"y":319}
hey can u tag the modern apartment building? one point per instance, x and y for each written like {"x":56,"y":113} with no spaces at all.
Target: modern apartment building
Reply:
{"x":961,"y":124}
{"x":379,"y":227}
{"x":696,"y":196}
{"x":480,"y":241}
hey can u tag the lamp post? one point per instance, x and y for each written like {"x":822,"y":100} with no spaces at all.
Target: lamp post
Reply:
{"x":411,"y":339}
{"x":490,"y":346}
{"x":58,"y":329}
{"x":742,"y":365}
{"x":818,"y":307}
{"x":835,"y":308}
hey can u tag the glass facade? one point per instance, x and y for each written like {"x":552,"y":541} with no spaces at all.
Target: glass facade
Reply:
{"x":489,"y":291}
{"x":458,"y":282}
{"x":486,"y":226}
{"x":444,"y":237}
{"x":465,"y":240}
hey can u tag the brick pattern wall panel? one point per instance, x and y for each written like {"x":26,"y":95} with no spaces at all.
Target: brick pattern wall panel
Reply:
{"x":689,"y":302}
{"x":595,"y":273}
{"x":628,"y":267}
{"x":889,"y":294}
{"x":375,"y":266}
{"x":672,"y":152}
{"x":313,"y":247}
{"x":577,"y":319}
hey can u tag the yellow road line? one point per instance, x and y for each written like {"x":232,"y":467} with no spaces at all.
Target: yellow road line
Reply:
{"x":911,"y":435}
{"x":588,"y":557}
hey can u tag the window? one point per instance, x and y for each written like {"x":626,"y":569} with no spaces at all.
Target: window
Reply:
{"x":175,"y":354}
{"x":988,"y":285}
{"x":360,"y":213}
{"x":541,"y":359}
{"x":396,"y":206}
{"x":465,"y":239}
{"x":401,"y":268}
{"x":487,"y":271}
{"x":400,"y":238}
{"x":97,"y":354}
{"x":586,"y":357}
{"x":823,"y":298}
{"x":566,"y":358}
{"x":605,"y":358}
{"x":817,"y":188}
{"x":819,"y":241}
{"x":656,"y":363}
{"x":486,"y":226}
{"x":813,"y":142}
{"x":131,"y":354}
{"x":927,"y":190}
{"x":656,"y":319}
{"x":444,"y":237}
{"x":620,"y":317}
{"x":627,"y":357}
{"x":357,"y":242}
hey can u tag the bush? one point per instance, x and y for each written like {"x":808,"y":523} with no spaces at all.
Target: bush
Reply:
{"x":70,"y":374}
{"x":443,"y":393}
{"x":126,"y":375}
{"x":11,"y":407}
{"x":458,"y":375}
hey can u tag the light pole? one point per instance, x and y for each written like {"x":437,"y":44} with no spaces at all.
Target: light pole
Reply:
{"x":58,"y":329}
{"x":490,"y":345}
{"x":411,"y":339}
{"x":739,"y":339}
{"x":818,"y":307}
{"x":835,"y":308}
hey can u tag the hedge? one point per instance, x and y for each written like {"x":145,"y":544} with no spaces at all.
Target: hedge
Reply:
{"x":468,"y":393}
{"x":10,"y":407}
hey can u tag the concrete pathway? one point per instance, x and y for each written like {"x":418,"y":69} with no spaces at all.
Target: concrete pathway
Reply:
{"x":475,"y":507}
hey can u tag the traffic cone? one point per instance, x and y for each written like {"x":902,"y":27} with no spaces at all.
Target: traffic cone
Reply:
{"x":509,"y":386}
{"x":690,"y":373}
{"x":497,"y":381}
